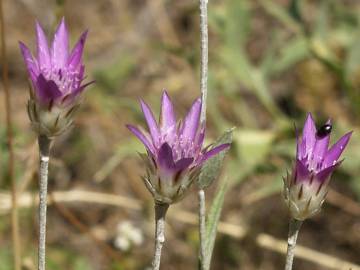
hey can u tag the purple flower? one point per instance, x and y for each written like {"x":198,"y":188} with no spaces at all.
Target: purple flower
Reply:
{"x":175,"y":153}
{"x":306,"y":187}
{"x":57,"y":78}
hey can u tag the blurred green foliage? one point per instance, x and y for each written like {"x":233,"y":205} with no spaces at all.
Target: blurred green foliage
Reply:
{"x":270,"y":63}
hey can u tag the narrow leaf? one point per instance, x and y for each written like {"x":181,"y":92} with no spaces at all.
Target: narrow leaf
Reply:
{"x":211,"y":169}
{"x":212,"y":223}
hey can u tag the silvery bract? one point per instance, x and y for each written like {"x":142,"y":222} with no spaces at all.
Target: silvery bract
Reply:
{"x":306,"y":187}
{"x":174,"y":150}
{"x":57,"y":77}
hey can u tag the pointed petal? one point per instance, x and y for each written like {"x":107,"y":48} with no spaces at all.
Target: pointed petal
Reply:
{"x":76,"y":92}
{"x":76,"y":53}
{"x":151,"y":122}
{"x":308,"y":137}
{"x":301,"y":171}
{"x":299,"y":153}
{"x":183,"y":164}
{"x":191,"y":122}
{"x":320,"y":148}
{"x":46,"y":90}
{"x":326,"y":173}
{"x":336,"y":150}
{"x":142,"y":137}
{"x":60,"y":46}
{"x":43,"y":55}
{"x":214,"y":151}
{"x":165,"y":158}
{"x":31,"y":64}
{"x":167,"y":114}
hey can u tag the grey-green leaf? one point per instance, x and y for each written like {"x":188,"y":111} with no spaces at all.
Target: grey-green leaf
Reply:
{"x":211,"y":169}
{"x":212,"y":223}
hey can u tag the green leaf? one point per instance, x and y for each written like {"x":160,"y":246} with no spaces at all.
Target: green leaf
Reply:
{"x":126,"y":148}
{"x":81,"y":264}
{"x":281,"y":14}
{"x":291,"y":52}
{"x":116,"y":73}
{"x":352,"y":62}
{"x":212,"y":223}
{"x":211,"y":169}
{"x":269,"y":187}
{"x":254,"y":145}
{"x":295,"y":10}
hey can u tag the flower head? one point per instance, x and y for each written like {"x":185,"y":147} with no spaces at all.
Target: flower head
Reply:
{"x":174,"y":150}
{"x":57,"y":80}
{"x":306,"y":187}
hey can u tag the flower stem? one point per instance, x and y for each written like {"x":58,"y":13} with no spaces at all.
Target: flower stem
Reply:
{"x":294,"y":228}
{"x":204,"y":57}
{"x":44,"y":150}
{"x":160,"y":212}
{"x":12,"y":180}
{"x":202,"y":228}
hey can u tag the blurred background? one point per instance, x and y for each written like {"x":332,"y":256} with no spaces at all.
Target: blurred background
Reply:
{"x":270,"y":63}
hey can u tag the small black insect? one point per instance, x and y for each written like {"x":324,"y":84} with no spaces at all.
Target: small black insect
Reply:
{"x":324,"y":131}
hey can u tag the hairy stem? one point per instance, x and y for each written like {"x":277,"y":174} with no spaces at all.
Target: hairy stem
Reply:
{"x":202,"y":228}
{"x":44,"y":150}
{"x":204,"y":57}
{"x":160,"y":212}
{"x":9,"y":135}
{"x":294,"y":228}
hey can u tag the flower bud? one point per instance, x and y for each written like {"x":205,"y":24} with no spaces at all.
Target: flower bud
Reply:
{"x":174,"y":152}
{"x":306,"y":187}
{"x":56,"y":77}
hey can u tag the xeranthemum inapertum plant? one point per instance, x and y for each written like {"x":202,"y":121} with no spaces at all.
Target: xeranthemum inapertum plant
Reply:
{"x":306,"y":187}
{"x":57,"y":80}
{"x":174,"y":150}
{"x":57,"y":83}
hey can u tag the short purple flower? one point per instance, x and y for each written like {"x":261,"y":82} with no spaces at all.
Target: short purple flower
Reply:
{"x":175,"y":153}
{"x":57,"y":78}
{"x":306,"y":188}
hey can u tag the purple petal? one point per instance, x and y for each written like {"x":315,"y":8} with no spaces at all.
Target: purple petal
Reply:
{"x":60,"y":46}
{"x":326,"y":173}
{"x":151,"y":122}
{"x":308,"y":137}
{"x":301,"y":171}
{"x":298,"y":142}
{"x":191,"y":122}
{"x":76,"y":53}
{"x":336,"y":150}
{"x":165,"y":158}
{"x":320,"y":148}
{"x":80,"y":76}
{"x":46,"y":90}
{"x":213,"y":152}
{"x":76,"y":92}
{"x":29,"y":61}
{"x":184,"y":163}
{"x":142,"y":137}
{"x":167,"y":114}
{"x":43,"y":55}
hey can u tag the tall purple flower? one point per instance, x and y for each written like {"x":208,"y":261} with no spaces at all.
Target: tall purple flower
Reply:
{"x":174,"y":150}
{"x":306,"y":188}
{"x":57,"y":80}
